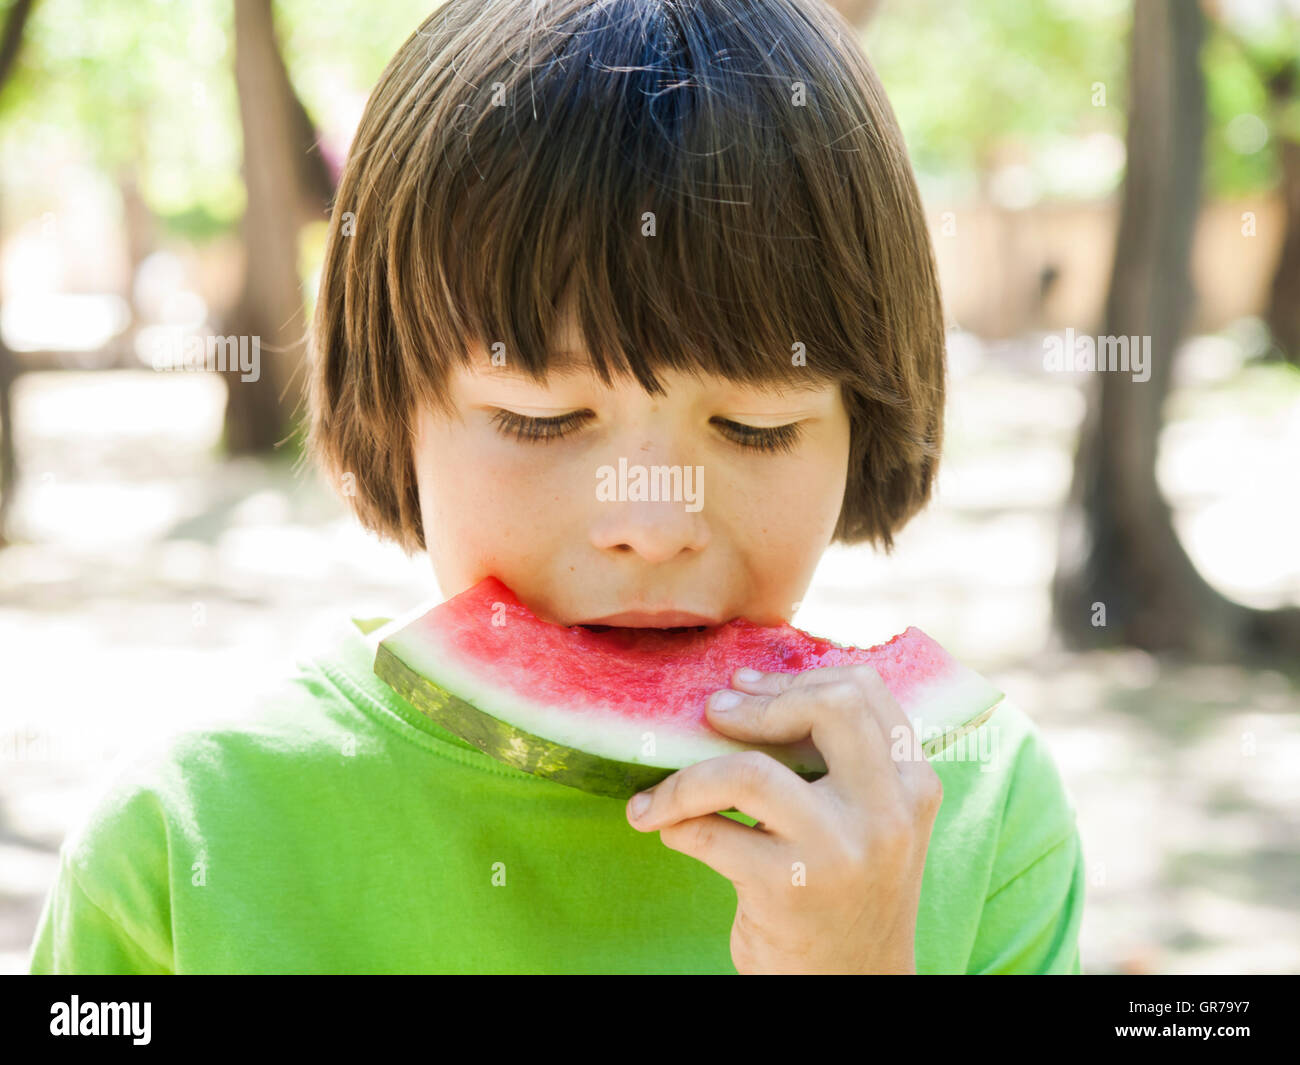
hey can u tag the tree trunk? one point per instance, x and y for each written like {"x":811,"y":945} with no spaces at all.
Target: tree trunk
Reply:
{"x":270,"y":305}
{"x":1119,"y":552}
{"x":1283,"y":313}
{"x":11,"y":36}
{"x":8,"y":456}
{"x":141,"y":234}
{"x":11,"y":43}
{"x":316,"y":180}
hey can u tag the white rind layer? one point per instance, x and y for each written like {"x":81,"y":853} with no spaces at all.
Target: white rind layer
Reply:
{"x":944,"y":708}
{"x":940,"y":710}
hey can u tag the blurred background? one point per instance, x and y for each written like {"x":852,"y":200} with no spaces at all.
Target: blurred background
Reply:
{"x":1118,"y":554}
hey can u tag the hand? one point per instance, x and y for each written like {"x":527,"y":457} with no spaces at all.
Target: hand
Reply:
{"x":830,"y":879}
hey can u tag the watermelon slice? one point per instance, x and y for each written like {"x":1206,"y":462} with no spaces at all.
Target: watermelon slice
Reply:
{"x":614,"y":712}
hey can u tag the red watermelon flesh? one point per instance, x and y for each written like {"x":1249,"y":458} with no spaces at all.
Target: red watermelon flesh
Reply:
{"x":598,"y":709}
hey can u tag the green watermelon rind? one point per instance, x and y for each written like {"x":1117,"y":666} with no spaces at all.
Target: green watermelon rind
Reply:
{"x":591,"y":773}
{"x":513,"y":746}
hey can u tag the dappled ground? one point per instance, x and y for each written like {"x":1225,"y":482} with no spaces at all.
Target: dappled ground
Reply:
{"x":158,"y":585}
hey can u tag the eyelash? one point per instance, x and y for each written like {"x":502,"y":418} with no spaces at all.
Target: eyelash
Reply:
{"x":774,"y":438}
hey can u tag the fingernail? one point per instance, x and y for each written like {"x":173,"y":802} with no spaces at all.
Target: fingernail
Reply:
{"x":725,"y":700}
{"x":639,"y":804}
{"x":748,"y":675}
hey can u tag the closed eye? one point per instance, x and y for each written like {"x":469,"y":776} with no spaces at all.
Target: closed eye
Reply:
{"x":525,"y":428}
{"x":751,"y":437}
{"x":773,"y":438}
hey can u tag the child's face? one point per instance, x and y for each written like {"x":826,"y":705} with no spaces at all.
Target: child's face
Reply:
{"x":529,"y":513}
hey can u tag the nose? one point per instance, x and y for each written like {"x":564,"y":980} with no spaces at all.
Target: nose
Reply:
{"x":655,"y":511}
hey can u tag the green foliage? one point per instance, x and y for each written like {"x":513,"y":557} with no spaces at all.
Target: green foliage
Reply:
{"x":148,"y":86}
{"x":969,"y":80}
{"x":142,"y":87}
{"x":1246,"y":65}
{"x":197,"y":223}
{"x":1233,"y":94}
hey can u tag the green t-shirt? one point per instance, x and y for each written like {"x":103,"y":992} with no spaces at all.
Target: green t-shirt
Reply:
{"x":334,"y":828}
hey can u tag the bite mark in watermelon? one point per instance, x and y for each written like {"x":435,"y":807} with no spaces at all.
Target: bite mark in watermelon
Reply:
{"x":614,"y":712}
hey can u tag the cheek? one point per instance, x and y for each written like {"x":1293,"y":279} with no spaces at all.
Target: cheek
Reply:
{"x":796,"y":503}
{"x":473,"y":486}
{"x":799,"y":502}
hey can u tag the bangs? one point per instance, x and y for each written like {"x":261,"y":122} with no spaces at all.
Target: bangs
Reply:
{"x":671,"y":178}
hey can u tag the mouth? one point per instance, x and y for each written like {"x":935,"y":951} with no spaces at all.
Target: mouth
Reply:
{"x":675,"y":621}
{"x":676,"y":629}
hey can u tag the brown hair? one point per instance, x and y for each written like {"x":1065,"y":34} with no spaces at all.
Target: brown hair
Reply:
{"x":502,"y":173}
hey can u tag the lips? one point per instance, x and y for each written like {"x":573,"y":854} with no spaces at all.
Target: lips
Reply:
{"x":667,"y":619}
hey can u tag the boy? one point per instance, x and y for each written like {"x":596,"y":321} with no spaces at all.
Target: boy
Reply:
{"x":569,"y":232}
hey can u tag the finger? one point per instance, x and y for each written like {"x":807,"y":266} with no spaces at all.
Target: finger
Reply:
{"x":752,"y":782}
{"x":740,"y":853}
{"x":918,"y":775}
{"x":899,"y":728}
{"x":758,"y":682}
{"x":830,"y":706}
